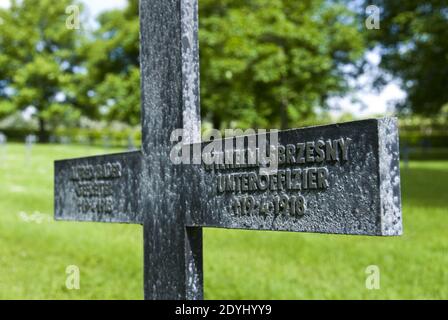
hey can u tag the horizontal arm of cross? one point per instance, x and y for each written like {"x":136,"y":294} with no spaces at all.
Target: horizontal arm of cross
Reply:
{"x":341,"y":179}
{"x":99,"y":189}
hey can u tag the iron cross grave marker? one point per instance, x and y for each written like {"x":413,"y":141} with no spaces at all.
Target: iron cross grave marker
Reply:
{"x":341,"y":178}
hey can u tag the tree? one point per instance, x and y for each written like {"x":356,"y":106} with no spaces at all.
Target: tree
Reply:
{"x":112,"y":85}
{"x":264,"y":63}
{"x":269,"y":63}
{"x":413,"y":39}
{"x":38,"y":61}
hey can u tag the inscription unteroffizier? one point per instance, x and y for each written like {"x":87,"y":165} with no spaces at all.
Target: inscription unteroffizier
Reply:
{"x":93,"y":185}
{"x":285,"y":184}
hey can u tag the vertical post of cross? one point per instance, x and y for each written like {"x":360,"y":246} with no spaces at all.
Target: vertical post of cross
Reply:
{"x":170,"y":100}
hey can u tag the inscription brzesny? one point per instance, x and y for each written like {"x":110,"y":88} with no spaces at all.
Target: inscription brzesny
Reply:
{"x":286,"y":185}
{"x":93,"y":186}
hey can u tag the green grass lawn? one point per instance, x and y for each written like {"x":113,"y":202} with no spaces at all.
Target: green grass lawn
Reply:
{"x":35,"y":250}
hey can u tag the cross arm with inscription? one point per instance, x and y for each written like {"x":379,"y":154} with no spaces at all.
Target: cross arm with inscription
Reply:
{"x":99,"y":189}
{"x":348,"y":185}
{"x":341,"y":178}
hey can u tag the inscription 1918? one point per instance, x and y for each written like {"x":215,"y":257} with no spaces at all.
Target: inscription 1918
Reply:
{"x":93,"y":186}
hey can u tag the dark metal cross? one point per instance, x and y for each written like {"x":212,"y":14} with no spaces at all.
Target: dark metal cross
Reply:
{"x":341,"y":178}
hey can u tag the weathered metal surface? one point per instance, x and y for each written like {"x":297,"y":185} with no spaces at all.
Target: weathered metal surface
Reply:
{"x":389,"y":175}
{"x":356,"y":193}
{"x":321,"y":188}
{"x":101,"y":189}
{"x":170,"y":77}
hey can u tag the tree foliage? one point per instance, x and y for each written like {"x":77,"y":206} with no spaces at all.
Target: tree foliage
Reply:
{"x":38,"y":58}
{"x":273,"y":63}
{"x":414,"y":42}
{"x":112,"y":86}
{"x":264,"y":63}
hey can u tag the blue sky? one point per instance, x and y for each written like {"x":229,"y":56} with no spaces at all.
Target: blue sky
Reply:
{"x":372,"y":103}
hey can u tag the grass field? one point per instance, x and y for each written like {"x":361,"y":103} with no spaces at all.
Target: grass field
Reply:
{"x":35,"y":250}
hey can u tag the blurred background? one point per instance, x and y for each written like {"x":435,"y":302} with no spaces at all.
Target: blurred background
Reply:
{"x":69,"y":87}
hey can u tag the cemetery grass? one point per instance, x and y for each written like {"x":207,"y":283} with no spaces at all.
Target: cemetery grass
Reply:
{"x":35,"y":251}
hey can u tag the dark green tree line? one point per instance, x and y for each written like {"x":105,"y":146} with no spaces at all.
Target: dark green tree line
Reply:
{"x":264,"y":63}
